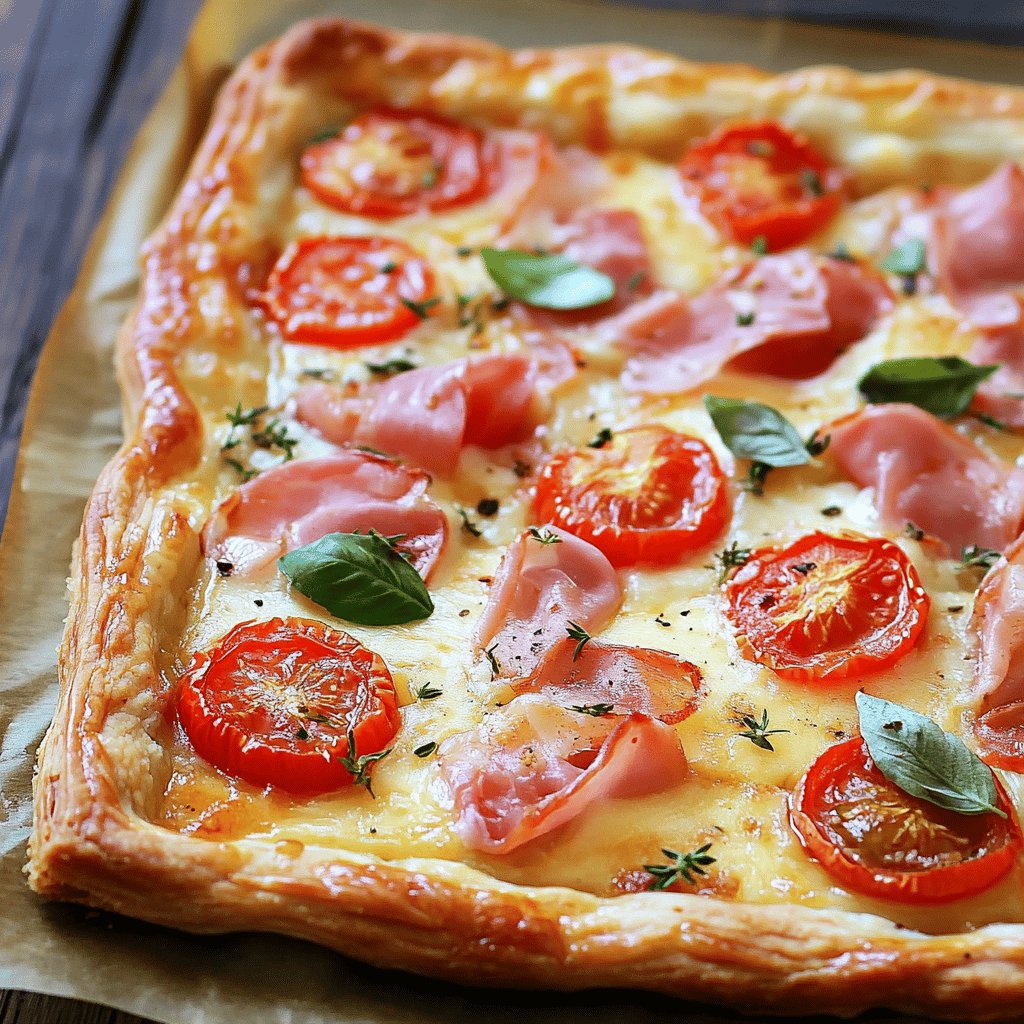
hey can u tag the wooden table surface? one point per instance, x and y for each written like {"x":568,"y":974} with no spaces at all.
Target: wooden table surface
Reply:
{"x":77,"y":77}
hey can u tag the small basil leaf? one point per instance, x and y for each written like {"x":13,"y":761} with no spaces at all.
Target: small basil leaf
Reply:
{"x":908,"y":258}
{"x":358,"y":577}
{"x":754,"y":431}
{"x":549,"y":280}
{"x":943,"y":386}
{"x":912,"y":752}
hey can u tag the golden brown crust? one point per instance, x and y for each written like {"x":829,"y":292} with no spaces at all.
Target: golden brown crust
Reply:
{"x":92,"y":841}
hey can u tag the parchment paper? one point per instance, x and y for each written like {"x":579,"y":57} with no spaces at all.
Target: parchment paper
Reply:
{"x":72,"y":428}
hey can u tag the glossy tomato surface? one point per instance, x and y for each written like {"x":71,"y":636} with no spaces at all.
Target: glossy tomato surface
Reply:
{"x":347,"y":292}
{"x":649,"y":496}
{"x":272,"y":702}
{"x":388,"y":163}
{"x":876,"y":839}
{"x":757,"y":179}
{"x":827,"y":607}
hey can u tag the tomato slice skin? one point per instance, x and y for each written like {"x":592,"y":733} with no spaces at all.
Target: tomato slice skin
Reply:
{"x":271,"y":703}
{"x":649,"y":496}
{"x":758,"y":179}
{"x":844,"y":811}
{"x":827,"y":607}
{"x":347,"y":292}
{"x":389,"y":163}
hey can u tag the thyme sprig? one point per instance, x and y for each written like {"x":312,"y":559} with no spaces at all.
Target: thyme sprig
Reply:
{"x":974,"y":557}
{"x":731,"y":558}
{"x":358,"y":765}
{"x":681,"y":866}
{"x":595,"y":710}
{"x":580,"y":635}
{"x":544,"y":536}
{"x":757,"y":731}
{"x":492,"y":661}
{"x":268,"y":435}
{"x":274,"y":434}
{"x":468,"y":525}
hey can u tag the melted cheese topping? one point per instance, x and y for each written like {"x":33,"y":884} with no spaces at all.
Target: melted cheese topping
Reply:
{"x":736,"y":797}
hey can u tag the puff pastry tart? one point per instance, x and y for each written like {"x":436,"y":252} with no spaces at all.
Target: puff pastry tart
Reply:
{"x":567,"y":531}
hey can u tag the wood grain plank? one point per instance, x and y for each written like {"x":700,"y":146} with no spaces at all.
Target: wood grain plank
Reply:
{"x":95,"y":71}
{"x":22,"y":23}
{"x":32,"y":1008}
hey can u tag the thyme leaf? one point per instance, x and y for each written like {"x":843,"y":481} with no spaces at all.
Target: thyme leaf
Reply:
{"x":681,"y":866}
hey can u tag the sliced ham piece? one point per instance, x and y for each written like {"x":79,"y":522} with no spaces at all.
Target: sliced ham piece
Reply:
{"x":543,"y":187}
{"x":520,"y":162}
{"x":1002,"y":395}
{"x":300,"y":502}
{"x":533,"y":766}
{"x":924,"y":472}
{"x":983,"y":269}
{"x":998,"y":628}
{"x":611,"y":241}
{"x":981,"y":242}
{"x":803,"y":310}
{"x":537,"y":591}
{"x":975,"y":241}
{"x":631,"y":679}
{"x":430,"y":414}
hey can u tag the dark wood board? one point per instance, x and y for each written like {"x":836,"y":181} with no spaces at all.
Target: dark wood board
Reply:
{"x":77,"y":77}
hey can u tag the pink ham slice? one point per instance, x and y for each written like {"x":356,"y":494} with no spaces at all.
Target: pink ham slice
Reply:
{"x":924,"y":472}
{"x":537,"y":590}
{"x":533,"y":767}
{"x":977,"y":244}
{"x":429,"y":415}
{"x":1002,"y":395}
{"x":300,"y":502}
{"x":981,"y":243}
{"x":543,"y":190}
{"x":806,"y":310}
{"x":520,"y":161}
{"x":611,"y":241}
{"x":630,"y":679}
{"x":998,"y":627}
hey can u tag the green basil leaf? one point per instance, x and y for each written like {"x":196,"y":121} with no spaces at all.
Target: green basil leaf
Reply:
{"x":908,"y":258}
{"x":754,"y":431}
{"x":943,"y":386}
{"x":912,"y":752}
{"x":359,"y":577}
{"x":549,"y":280}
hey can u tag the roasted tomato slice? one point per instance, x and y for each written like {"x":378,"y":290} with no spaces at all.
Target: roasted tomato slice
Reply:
{"x":272,"y":703}
{"x":649,"y":495}
{"x":827,"y":607}
{"x":758,"y":179}
{"x":1000,"y":734}
{"x":347,"y":292}
{"x":878,"y":840}
{"x":388,"y":163}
